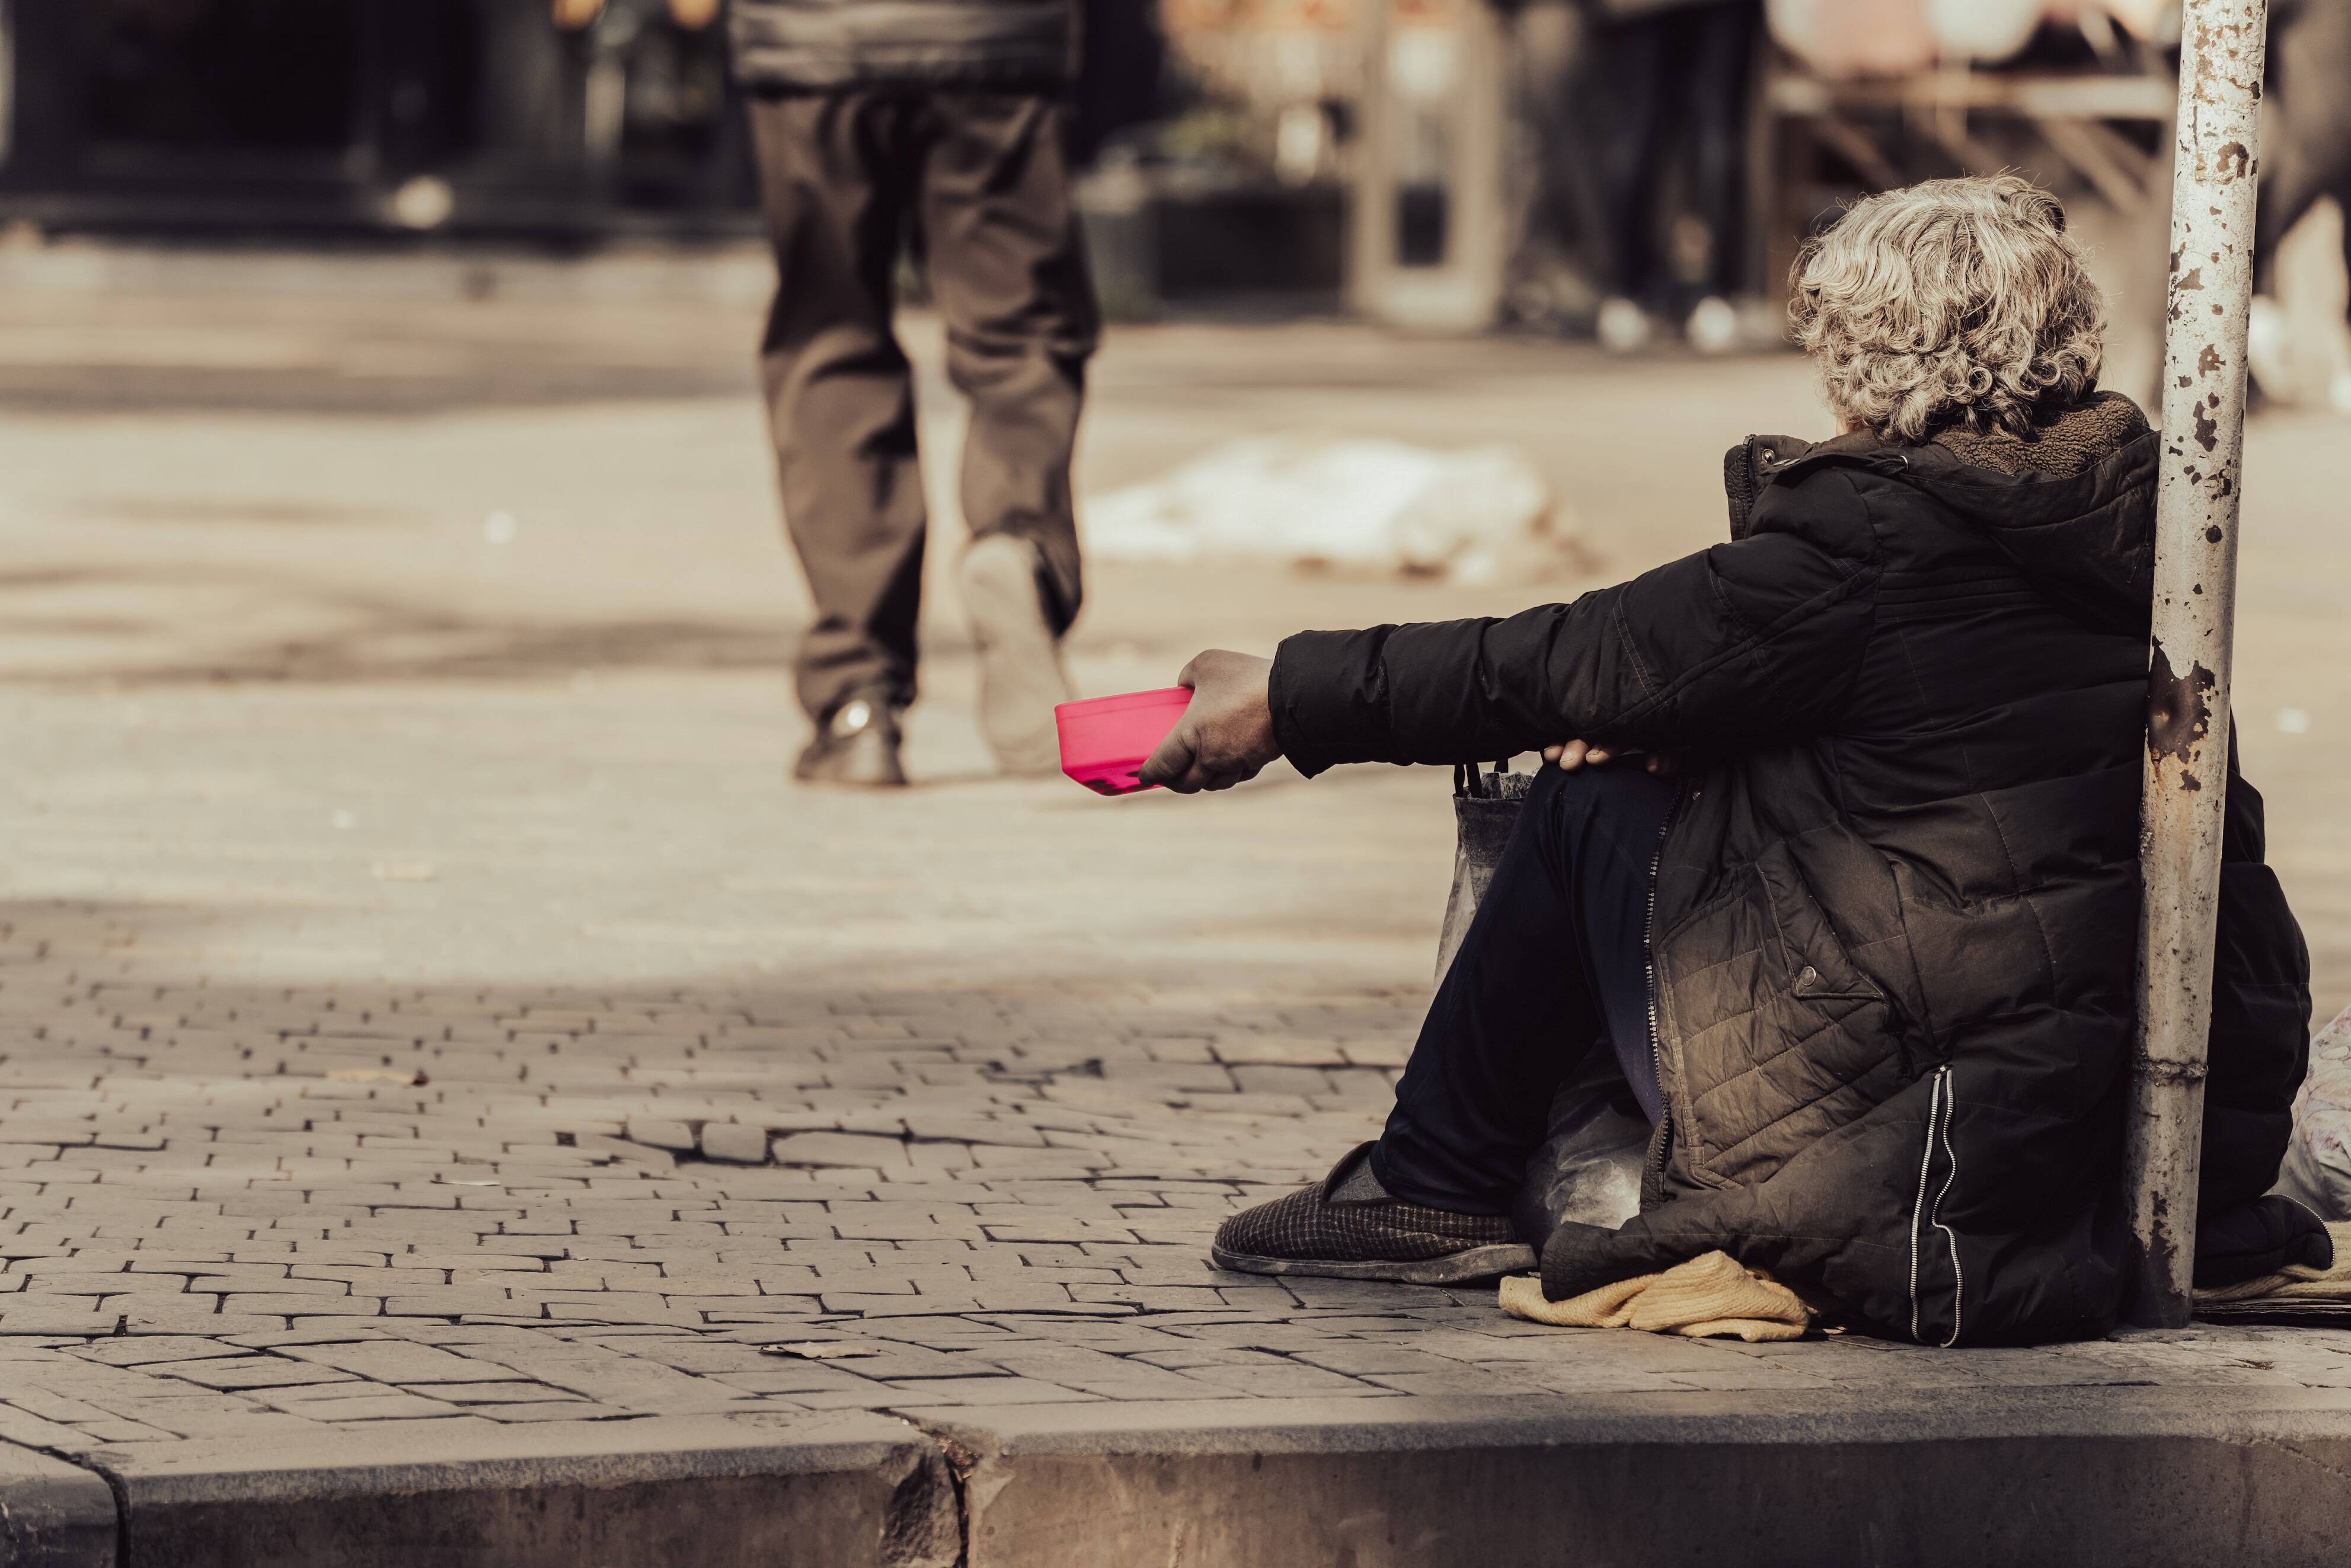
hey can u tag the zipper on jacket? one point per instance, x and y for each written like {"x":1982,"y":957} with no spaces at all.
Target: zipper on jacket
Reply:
{"x":1665,"y":1139}
{"x":1940,"y":1102}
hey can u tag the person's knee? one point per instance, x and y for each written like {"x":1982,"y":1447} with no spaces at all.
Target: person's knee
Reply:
{"x":1608,"y":791}
{"x":1571,"y":787}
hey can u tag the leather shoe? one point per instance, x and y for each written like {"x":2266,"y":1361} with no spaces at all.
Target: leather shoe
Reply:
{"x":856,"y":743}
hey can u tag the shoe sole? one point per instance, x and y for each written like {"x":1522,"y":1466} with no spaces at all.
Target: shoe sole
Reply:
{"x":1475,"y":1263}
{"x":1020,"y":677}
{"x":891,"y":774}
{"x":827,"y":781}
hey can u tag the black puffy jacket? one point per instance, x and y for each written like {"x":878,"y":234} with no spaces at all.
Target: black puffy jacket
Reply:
{"x":825,"y":45}
{"x":1896,"y":907}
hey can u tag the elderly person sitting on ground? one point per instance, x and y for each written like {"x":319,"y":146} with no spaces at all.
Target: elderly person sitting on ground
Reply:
{"x":1862,"y":951}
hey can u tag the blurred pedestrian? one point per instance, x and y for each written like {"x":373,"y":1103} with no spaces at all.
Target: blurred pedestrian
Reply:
{"x":1549,"y":196}
{"x":691,"y":14}
{"x":1660,"y":75}
{"x":939,"y":123}
{"x":2306,"y":157}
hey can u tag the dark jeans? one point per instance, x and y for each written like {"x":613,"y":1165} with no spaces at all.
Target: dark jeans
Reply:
{"x":1646,"y":82}
{"x":978,"y":182}
{"x":1555,"y":962}
{"x":2306,"y":154}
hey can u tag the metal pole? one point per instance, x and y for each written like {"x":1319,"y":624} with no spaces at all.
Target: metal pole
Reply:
{"x":1412,"y":50}
{"x":2186,"y":774}
{"x":1371,"y":207}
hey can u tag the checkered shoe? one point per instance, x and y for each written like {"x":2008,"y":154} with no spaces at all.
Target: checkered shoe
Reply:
{"x":1362,"y":1233}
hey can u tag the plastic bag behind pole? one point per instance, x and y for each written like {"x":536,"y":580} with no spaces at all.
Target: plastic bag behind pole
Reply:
{"x":2316,"y":1172}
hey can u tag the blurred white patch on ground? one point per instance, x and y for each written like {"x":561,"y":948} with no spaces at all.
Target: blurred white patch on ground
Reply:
{"x":1338,"y":501}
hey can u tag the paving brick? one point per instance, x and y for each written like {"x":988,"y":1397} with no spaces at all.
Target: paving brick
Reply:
{"x":849,"y":1150}
{"x":550,"y":1410}
{"x":296,"y":1306}
{"x":985,"y":1391}
{"x":253,"y":1372}
{"x":149,"y":1350}
{"x":332,"y":1404}
{"x":734,"y":1142}
{"x":32,"y":1431}
{"x":53,"y":1314}
{"x":392,"y":1362}
{"x":51,"y":1406}
{"x":520,"y":1391}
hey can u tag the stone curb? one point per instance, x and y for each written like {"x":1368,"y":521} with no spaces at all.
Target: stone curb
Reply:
{"x":835,"y":1492}
{"x":2136,"y":1478}
{"x":54,"y":1514}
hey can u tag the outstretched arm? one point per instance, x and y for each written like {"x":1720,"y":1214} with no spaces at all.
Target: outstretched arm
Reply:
{"x":1744,"y":644}
{"x":1738,"y":645}
{"x":1227,"y":734}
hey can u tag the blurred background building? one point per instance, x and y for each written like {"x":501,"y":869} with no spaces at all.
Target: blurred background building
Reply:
{"x":291,"y":116}
{"x":1640,"y":169}
{"x":555,"y":120}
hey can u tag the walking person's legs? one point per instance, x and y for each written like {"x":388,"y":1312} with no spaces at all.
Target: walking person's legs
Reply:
{"x":1008,"y":267}
{"x":1553,"y":965}
{"x":836,"y":181}
{"x":1552,"y":199}
{"x":1622,"y":104}
{"x":2306,"y":157}
{"x":1714,"y":71}
{"x":2307,"y":151}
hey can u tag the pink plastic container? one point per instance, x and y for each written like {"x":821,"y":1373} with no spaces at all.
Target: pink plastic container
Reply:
{"x":1105,"y":739}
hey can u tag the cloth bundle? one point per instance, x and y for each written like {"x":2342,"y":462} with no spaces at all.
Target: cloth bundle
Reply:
{"x":1710,"y":1296}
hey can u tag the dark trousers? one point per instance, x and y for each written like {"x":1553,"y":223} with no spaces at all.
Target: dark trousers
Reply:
{"x":978,"y":183}
{"x":1555,"y":963}
{"x":2308,"y":153}
{"x":1645,"y":83}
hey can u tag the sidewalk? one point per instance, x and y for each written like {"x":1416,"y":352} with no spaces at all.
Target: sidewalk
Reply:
{"x":438,"y":1048}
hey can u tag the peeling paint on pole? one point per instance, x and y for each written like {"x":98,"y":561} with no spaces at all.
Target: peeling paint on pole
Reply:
{"x":2215,"y":169}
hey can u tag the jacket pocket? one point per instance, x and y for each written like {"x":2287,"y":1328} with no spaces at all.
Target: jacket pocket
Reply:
{"x":1821,"y":966}
{"x":1820,"y":1044}
{"x":1814,"y":959}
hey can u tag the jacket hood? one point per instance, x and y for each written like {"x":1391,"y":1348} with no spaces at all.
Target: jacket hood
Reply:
{"x":2073,"y":504}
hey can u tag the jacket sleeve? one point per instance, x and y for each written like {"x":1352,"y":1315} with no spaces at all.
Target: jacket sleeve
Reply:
{"x":1746,"y":642}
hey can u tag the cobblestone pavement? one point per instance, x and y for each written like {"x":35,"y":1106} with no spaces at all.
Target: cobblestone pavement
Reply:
{"x":422,"y":1001}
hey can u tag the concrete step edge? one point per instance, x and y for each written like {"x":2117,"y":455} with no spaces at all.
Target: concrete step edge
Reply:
{"x":1958,"y":1477}
{"x":832,"y":1491}
{"x":55,"y":1514}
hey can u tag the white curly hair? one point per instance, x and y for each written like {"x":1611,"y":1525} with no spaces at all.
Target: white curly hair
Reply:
{"x":1950,"y":302}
